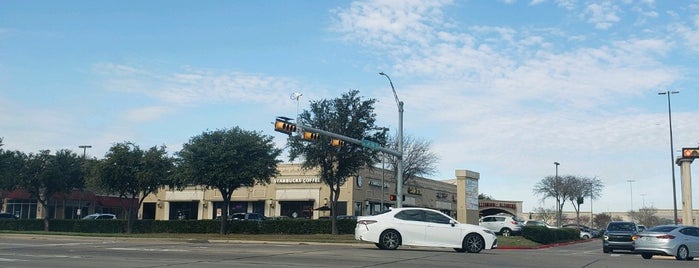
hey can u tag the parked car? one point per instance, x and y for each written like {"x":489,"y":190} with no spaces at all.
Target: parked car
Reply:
{"x":681,"y":241}
{"x":505,"y":225}
{"x":619,"y":235}
{"x":8,"y":216}
{"x":538,"y":223}
{"x":100,"y":216}
{"x":583,"y":228}
{"x":247,"y":217}
{"x":422,"y":227}
{"x":641,"y":227}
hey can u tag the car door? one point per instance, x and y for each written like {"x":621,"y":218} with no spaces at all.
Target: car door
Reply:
{"x":411,"y":225}
{"x":487,"y":222}
{"x":692,"y":241}
{"x":440,"y":232}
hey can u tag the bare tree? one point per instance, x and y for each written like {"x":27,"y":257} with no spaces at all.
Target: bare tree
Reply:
{"x":554,"y":187}
{"x":645,"y":216}
{"x":579,"y":188}
{"x":545,"y":214}
{"x":418,"y":159}
{"x":601,"y":220}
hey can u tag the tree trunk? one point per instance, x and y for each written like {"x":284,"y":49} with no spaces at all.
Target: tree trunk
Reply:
{"x":334,"y":194}
{"x":224,"y":213}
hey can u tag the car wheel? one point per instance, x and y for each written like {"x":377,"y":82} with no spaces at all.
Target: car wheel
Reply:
{"x":390,"y":239}
{"x":586,"y":237}
{"x":682,"y":253}
{"x":378,"y":245}
{"x":647,"y":256}
{"x":506,"y":232}
{"x":473,"y":243}
{"x":606,"y":250}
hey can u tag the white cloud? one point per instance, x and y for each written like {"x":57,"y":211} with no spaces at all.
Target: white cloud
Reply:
{"x":602,"y":15}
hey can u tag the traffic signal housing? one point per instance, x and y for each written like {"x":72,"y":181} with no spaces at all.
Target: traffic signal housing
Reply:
{"x":393,"y":197}
{"x":336,"y":142}
{"x":284,"y":126}
{"x":311,"y":136}
{"x":690,"y":153}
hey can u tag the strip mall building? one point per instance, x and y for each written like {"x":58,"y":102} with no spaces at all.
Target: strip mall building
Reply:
{"x":298,"y":193}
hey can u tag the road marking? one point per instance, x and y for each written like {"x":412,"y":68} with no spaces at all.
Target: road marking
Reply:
{"x":149,"y":249}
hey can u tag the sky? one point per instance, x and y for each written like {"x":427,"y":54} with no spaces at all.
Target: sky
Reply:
{"x":504,"y":88}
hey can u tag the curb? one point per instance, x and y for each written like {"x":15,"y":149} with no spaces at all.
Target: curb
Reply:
{"x":548,"y":245}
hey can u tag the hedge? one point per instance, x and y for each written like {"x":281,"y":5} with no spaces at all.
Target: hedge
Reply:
{"x":295,"y":226}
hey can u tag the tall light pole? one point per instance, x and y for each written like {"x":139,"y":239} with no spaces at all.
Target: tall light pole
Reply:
{"x":383,"y":165}
{"x":84,"y":147}
{"x":399,"y":164}
{"x":672,"y":151}
{"x":558,"y":205}
{"x":631,"y":189}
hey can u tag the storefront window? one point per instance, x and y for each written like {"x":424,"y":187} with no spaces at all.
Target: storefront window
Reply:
{"x":297,"y":209}
{"x":23,"y":208}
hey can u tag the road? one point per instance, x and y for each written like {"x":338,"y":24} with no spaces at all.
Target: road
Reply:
{"x":64,"y":251}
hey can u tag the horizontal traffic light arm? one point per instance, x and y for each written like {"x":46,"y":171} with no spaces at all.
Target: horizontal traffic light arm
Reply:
{"x":348,"y":139}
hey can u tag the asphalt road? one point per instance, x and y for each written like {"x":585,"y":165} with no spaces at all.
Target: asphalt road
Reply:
{"x":63,"y":251}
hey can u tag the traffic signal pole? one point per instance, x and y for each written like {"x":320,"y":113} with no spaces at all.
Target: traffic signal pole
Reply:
{"x":366,"y":143}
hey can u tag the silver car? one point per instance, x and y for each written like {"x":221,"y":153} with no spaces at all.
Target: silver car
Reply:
{"x":681,"y":241}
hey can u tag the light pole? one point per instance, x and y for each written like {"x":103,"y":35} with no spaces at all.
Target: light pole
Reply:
{"x":84,"y":147}
{"x":399,"y":164}
{"x":672,"y":153}
{"x":631,"y":189}
{"x":383,"y":165}
{"x":558,"y":205}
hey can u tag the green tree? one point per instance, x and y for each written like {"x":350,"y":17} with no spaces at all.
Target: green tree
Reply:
{"x":43,"y":175}
{"x":10,"y":165}
{"x":133,"y":173}
{"x":350,"y":116}
{"x":227,"y":160}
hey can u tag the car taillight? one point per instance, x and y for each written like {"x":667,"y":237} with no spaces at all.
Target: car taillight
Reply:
{"x":366,"y":222}
{"x":667,"y":236}
{"x":514,"y":223}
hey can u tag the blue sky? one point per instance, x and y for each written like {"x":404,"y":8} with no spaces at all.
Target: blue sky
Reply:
{"x":503,"y":88}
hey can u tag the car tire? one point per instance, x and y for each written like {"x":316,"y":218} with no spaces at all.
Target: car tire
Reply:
{"x":473,"y":243}
{"x":586,"y":237}
{"x":606,"y":250}
{"x":506,"y":232}
{"x":390,"y":239}
{"x":647,"y":256}
{"x":682,"y":253}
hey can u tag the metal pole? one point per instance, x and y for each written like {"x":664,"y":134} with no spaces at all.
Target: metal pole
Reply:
{"x":672,"y":152}
{"x":558,"y":205}
{"x":399,"y":164}
{"x":631,"y":191}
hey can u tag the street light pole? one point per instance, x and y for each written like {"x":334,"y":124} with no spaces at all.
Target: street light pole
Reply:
{"x":399,"y":164}
{"x":84,"y":147}
{"x":631,"y":189}
{"x":558,"y":205}
{"x":383,"y":165}
{"x":672,"y":151}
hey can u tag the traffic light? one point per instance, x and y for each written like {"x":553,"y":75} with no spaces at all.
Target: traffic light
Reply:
{"x":336,"y":142}
{"x":311,"y":136}
{"x":283,"y":126}
{"x":690,"y":153}
{"x":392,"y":197}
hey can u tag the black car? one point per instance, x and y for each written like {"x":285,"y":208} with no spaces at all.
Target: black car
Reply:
{"x":8,"y":216}
{"x":619,"y":235}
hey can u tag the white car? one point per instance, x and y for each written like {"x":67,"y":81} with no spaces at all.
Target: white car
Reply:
{"x":422,"y":227}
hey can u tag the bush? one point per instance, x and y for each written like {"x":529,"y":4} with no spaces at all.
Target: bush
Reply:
{"x":545,"y":235}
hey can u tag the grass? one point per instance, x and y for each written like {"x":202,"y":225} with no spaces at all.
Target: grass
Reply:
{"x":503,"y":241}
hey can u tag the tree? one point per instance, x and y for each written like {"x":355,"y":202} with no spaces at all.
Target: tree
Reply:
{"x":545,"y":214}
{"x":10,"y":165}
{"x":418,"y":160}
{"x":601,"y":220}
{"x":483,"y":196}
{"x":43,"y":175}
{"x":350,"y":116}
{"x":133,"y":173}
{"x":555,"y":187}
{"x":645,"y":216}
{"x":579,"y":188}
{"x":227,"y":160}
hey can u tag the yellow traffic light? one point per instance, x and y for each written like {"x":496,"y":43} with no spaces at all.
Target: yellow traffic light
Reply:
{"x":284,"y":127}
{"x":310,"y":136}
{"x":690,"y":152}
{"x":336,"y":142}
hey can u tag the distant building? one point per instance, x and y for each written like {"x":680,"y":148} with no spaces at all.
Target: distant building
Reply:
{"x":74,"y":205}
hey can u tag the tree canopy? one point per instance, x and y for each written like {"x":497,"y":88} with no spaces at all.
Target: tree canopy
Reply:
{"x":227,"y":160}
{"x":418,"y":159}
{"x":348,"y":115}
{"x":568,"y":187}
{"x":133,"y":173}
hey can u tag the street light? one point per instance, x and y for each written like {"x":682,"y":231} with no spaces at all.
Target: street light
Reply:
{"x":383,"y":165}
{"x":631,"y":189}
{"x":399,"y":164}
{"x":84,"y":147}
{"x":672,"y":153}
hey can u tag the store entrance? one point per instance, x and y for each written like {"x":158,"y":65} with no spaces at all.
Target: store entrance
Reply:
{"x":297,"y":209}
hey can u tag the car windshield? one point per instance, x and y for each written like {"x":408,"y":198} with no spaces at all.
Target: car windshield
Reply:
{"x":623,"y":226}
{"x":662,"y":229}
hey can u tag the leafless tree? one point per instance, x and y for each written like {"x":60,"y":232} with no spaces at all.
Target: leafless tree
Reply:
{"x":418,"y":159}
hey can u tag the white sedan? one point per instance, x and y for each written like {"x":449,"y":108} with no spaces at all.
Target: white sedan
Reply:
{"x":422,"y":227}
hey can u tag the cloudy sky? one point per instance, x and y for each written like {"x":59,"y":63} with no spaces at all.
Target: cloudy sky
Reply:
{"x":504,"y":88}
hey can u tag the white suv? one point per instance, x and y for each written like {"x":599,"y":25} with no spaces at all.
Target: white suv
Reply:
{"x":505,"y":225}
